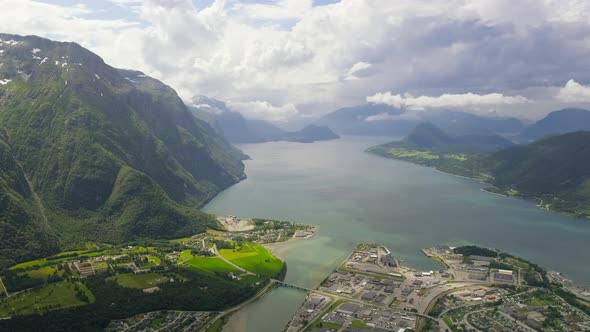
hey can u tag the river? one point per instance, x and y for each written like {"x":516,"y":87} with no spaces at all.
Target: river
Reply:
{"x":355,"y":197}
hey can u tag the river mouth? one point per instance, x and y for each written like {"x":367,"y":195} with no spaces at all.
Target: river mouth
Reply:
{"x":357,"y":197}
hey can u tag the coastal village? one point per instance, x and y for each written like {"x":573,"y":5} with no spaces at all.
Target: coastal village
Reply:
{"x":236,"y":256}
{"x":476,"y":289}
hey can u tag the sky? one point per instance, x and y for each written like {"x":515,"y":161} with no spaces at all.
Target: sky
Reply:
{"x":287,"y":60}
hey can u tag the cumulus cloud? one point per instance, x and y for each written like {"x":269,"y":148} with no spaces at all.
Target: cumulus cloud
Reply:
{"x":445,"y":100}
{"x":264,"y":110}
{"x":322,"y":57}
{"x":574,"y":92}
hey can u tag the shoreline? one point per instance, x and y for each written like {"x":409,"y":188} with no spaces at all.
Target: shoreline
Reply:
{"x":568,"y":214}
{"x":278,"y":248}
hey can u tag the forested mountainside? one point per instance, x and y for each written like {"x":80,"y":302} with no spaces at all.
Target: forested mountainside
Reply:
{"x":553,"y":170}
{"x":110,"y":154}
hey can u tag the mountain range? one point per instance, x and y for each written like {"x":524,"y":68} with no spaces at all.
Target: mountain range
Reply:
{"x":558,"y":122}
{"x":384,"y":120}
{"x":238,"y":129}
{"x":428,"y":136}
{"x":552,"y":169}
{"x":91,"y":152}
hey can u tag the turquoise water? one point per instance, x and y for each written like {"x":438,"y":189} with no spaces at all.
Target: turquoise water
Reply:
{"x":354,"y":197}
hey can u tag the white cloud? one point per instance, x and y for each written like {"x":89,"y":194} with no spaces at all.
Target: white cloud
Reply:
{"x":264,"y":110}
{"x":357,"y":70}
{"x":574,"y":92}
{"x":392,"y":117}
{"x":445,"y":100}
{"x":291,"y":52}
{"x":281,"y":10}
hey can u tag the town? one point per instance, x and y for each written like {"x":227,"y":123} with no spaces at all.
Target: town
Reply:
{"x":476,"y":289}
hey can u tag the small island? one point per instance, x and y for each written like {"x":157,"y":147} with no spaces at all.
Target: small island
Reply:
{"x":476,"y":289}
{"x":186,"y":284}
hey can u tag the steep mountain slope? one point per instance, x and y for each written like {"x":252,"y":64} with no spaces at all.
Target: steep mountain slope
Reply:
{"x":24,"y":232}
{"x":554,"y":169}
{"x":558,"y":122}
{"x":112,"y":154}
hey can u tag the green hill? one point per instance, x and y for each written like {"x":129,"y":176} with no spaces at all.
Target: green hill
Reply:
{"x":428,"y":137}
{"x":558,"y":122}
{"x":554,"y":169}
{"x":112,"y":154}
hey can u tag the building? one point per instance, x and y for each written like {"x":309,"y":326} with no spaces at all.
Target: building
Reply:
{"x":348,"y":308}
{"x":388,"y":261}
{"x":84,"y":268}
{"x":365,"y":314}
{"x":503,"y":276}
{"x":370,"y":296}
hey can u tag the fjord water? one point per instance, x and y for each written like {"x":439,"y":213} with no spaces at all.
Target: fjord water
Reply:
{"x":357,"y":197}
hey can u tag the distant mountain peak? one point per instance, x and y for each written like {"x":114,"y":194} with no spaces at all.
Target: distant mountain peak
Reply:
{"x":559,"y":122}
{"x":209,"y":104}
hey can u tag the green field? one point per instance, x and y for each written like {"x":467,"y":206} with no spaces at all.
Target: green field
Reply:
{"x":28,"y":264}
{"x":51,"y":297}
{"x":141,"y":281}
{"x":69,"y":253}
{"x":41,"y":273}
{"x":254,"y":258}
{"x":212,"y":264}
{"x":59,"y":258}
{"x":152,"y":261}
{"x":185,"y":255}
{"x":250,"y":279}
{"x":407,"y":153}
